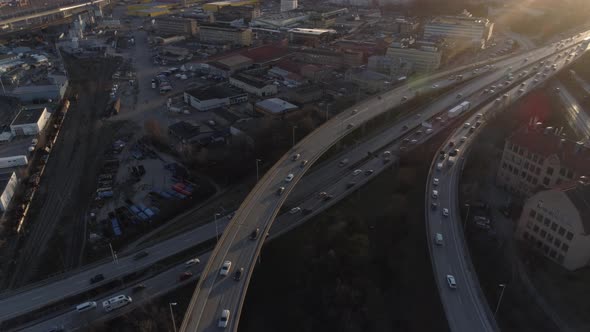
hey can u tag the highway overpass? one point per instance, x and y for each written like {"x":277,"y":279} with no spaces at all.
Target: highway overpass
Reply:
{"x":215,"y":293}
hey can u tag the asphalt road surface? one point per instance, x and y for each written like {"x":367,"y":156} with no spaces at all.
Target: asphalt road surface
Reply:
{"x":215,"y":292}
{"x":465,"y":305}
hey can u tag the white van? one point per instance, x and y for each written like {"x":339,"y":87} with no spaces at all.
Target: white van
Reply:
{"x":116,"y":302}
{"x":86,"y":306}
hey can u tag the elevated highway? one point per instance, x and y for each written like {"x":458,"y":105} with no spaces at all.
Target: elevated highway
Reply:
{"x":216,"y":293}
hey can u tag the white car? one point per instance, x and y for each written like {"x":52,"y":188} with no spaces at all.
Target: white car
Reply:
{"x":295,"y":210}
{"x":434,"y":86}
{"x":225,"y":268}
{"x":435,"y":194}
{"x":192,"y":262}
{"x":224,"y":319}
{"x":435,"y":181}
{"x":463,"y":139}
{"x":357,"y":172}
{"x":451,"y":281}
{"x":289,"y":177}
{"x":445,"y":212}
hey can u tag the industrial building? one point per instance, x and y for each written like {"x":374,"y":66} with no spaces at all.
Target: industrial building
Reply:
{"x":8,"y":182}
{"x":54,"y":89}
{"x":211,"y":97}
{"x":253,"y":85}
{"x":475,"y":30}
{"x":275,"y":107}
{"x":423,"y":56}
{"x":310,"y":37}
{"x":536,"y":158}
{"x":228,"y":65}
{"x":557,"y":223}
{"x":280,"y":20}
{"x":217,"y":5}
{"x":219,"y":34}
{"x":30,"y":122}
{"x":171,"y":25}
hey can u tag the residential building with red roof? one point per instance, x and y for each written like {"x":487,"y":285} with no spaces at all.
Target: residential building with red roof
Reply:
{"x":537,"y":158}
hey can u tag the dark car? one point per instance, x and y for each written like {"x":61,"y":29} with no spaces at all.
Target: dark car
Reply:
{"x":254,"y":234}
{"x":138,"y":288}
{"x":238,"y":274}
{"x":97,"y":278}
{"x":185,"y":275}
{"x":327,"y":197}
{"x":454,"y":152}
{"x":405,"y":127}
{"x":369,"y":172}
{"x":434,"y":205}
{"x":443,"y":156}
{"x":140,"y":255}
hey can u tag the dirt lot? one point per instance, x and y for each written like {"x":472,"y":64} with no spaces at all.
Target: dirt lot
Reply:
{"x":59,"y":212}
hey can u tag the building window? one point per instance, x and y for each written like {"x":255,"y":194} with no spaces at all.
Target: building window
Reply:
{"x":537,"y":171}
{"x":554,"y":227}
{"x":536,"y":229}
{"x":525,"y":235}
{"x":510,"y":168}
{"x":515,"y":171}
{"x":539,"y":244}
{"x":561,"y":231}
{"x":570,"y":174}
{"x":520,"y":151}
{"x":546,"y":249}
{"x":531,"y":167}
{"x":528,"y":154}
{"x":569,"y":236}
{"x":535,"y":158}
{"x":562,"y":171}
{"x":529,"y":179}
{"x":547,"y":222}
{"x":541,"y":160}
{"x":550,"y":170}
{"x":546,"y":181}
{"x":553,"y":253}
{"x":529,"y":224}
{"x":535,"y":181}
{"x":539,"y":217}
{"x":550,"y":238}
{"x":543,"y":233}
{"x":564,"y":247}
{"x":557,"y":243}
{"x":526,"y":164}
{"x":522,"y":174}
{"x":558,"y":181}
{"x":504,"y":165}
{"x":532,"y":213}
{"x":560,"y":259}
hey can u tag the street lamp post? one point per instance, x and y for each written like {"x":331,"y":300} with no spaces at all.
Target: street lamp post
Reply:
{"x":257,"y":176}
{"x":293,"y":136}
{"x":113,"y":254}
{"x":172,"y":315}
{"x":503,"y":286}
{"x":466,"y":217}
{"x":216,"y":229}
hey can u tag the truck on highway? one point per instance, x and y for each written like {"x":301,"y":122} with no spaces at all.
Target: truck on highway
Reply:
{"x":457,"y":110}
{"x":116,"y":302}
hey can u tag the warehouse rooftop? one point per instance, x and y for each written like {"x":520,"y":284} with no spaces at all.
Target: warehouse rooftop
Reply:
{"x":28,"y":116}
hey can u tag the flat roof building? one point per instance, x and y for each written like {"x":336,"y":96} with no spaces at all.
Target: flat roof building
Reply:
{"x":275,"y":107}
{"x":30,"y":121}
{"x":253,"y":85}
{"x":475,"y":30}
{"x":171,"y":25}
{"x":211,"y":97}
{"x":557,"y":223}
{"x":8,"y":182}
{"x":423,"y":56}
{"x":536,"y":158}
{"x":219,"y":34}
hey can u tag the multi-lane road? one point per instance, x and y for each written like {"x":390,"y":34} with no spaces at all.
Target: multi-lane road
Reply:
{"x":216,"y":293}
{"x":465,"y":305}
